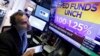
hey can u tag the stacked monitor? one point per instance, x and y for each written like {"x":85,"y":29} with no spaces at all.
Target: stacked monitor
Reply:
{"x":77,"y":22}
{"x":39,"y":18}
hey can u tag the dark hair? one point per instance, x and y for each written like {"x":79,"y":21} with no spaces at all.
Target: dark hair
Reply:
{"x":13,"y":17}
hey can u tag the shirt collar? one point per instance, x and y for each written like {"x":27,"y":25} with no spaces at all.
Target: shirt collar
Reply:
{"x":21,"y":32}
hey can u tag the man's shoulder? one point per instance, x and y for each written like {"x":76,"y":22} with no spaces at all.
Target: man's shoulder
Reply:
{"x":5,"y":35}
{"x":8,"y":33}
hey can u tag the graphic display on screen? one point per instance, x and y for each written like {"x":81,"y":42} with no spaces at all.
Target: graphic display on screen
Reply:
{"x":37,"y":23}
{"x":42,"y":13}
{"x":79,"y":24}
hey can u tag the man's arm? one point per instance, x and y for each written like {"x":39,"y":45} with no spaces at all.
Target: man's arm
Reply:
{"x":4,"y":45}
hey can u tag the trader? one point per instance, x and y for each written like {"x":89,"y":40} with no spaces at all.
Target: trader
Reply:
{"x":13,"y":42}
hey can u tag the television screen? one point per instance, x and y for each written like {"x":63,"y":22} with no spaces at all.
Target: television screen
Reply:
{"x":42,"y":13}
{"x":37,"y":23}
{"x":78,"y":23}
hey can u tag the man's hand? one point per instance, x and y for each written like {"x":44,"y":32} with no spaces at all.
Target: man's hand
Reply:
{"x":29,"y":52}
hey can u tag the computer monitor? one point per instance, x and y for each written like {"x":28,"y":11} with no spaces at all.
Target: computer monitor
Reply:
{"x":37,"y":23}
{"x":42,"y":13}
{"x":78,"y":23}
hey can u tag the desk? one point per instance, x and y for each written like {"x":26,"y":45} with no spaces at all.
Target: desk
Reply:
{"x":48,"y":48}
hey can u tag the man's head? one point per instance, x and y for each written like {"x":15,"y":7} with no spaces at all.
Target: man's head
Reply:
{"x":20,"y":21}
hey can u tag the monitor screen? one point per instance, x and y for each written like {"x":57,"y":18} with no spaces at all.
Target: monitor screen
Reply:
{"x":37,"y":23}
{"x":78,"y":23}
{"x":42,"y":13}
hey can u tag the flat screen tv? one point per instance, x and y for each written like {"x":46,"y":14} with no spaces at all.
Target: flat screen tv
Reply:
{"x":78,"y":22}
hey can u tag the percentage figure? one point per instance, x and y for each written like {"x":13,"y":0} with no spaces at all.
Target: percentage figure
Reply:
{"x":87,"y":29}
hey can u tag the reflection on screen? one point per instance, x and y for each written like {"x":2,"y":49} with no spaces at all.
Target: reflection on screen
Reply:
{"x":37,"y":23}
